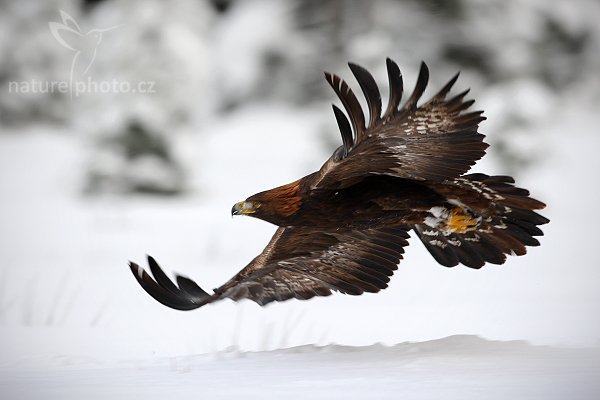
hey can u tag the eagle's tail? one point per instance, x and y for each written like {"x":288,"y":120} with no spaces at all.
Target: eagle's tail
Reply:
{"x":505,"y":223}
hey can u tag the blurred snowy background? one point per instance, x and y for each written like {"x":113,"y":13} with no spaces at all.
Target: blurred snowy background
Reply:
{"x":216,"y":100}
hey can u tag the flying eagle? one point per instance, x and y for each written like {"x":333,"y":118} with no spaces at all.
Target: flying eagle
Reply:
{"x":344,"y":227}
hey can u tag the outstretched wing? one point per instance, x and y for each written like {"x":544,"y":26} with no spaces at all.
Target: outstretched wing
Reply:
{"x":437,"y":140}
{"x":297,"y":263}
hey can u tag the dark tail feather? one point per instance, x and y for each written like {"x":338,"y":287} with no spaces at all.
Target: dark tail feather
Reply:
{"x":513,"y":226}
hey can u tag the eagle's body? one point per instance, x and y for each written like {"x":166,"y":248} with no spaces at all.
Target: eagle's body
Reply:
{"x":344,"y":227}
{"x":384,"y":201}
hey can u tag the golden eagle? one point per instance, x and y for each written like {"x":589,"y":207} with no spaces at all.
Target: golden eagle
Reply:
{"x":344,"y":227}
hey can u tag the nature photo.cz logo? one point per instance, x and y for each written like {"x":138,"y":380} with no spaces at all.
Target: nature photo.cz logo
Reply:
{"x":84,"y":46}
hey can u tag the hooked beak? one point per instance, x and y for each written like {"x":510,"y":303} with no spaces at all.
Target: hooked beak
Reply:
{"x":244,"y":208}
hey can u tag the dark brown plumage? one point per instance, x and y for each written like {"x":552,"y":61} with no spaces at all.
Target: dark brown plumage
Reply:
{"x":344,"y":227}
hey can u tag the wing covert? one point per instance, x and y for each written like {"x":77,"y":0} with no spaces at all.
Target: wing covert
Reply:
{"x":302,"y":263}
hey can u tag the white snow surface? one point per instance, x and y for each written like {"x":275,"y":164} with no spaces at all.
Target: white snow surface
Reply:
{"x":75,"y":324}
{"x":456,"y":367}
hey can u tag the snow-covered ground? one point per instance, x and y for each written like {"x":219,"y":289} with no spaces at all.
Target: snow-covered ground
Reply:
{"x":75,"y":324}
{"x":456,"y":367}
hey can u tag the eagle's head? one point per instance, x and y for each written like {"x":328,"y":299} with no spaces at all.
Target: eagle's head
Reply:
{"x":276,"y":205}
